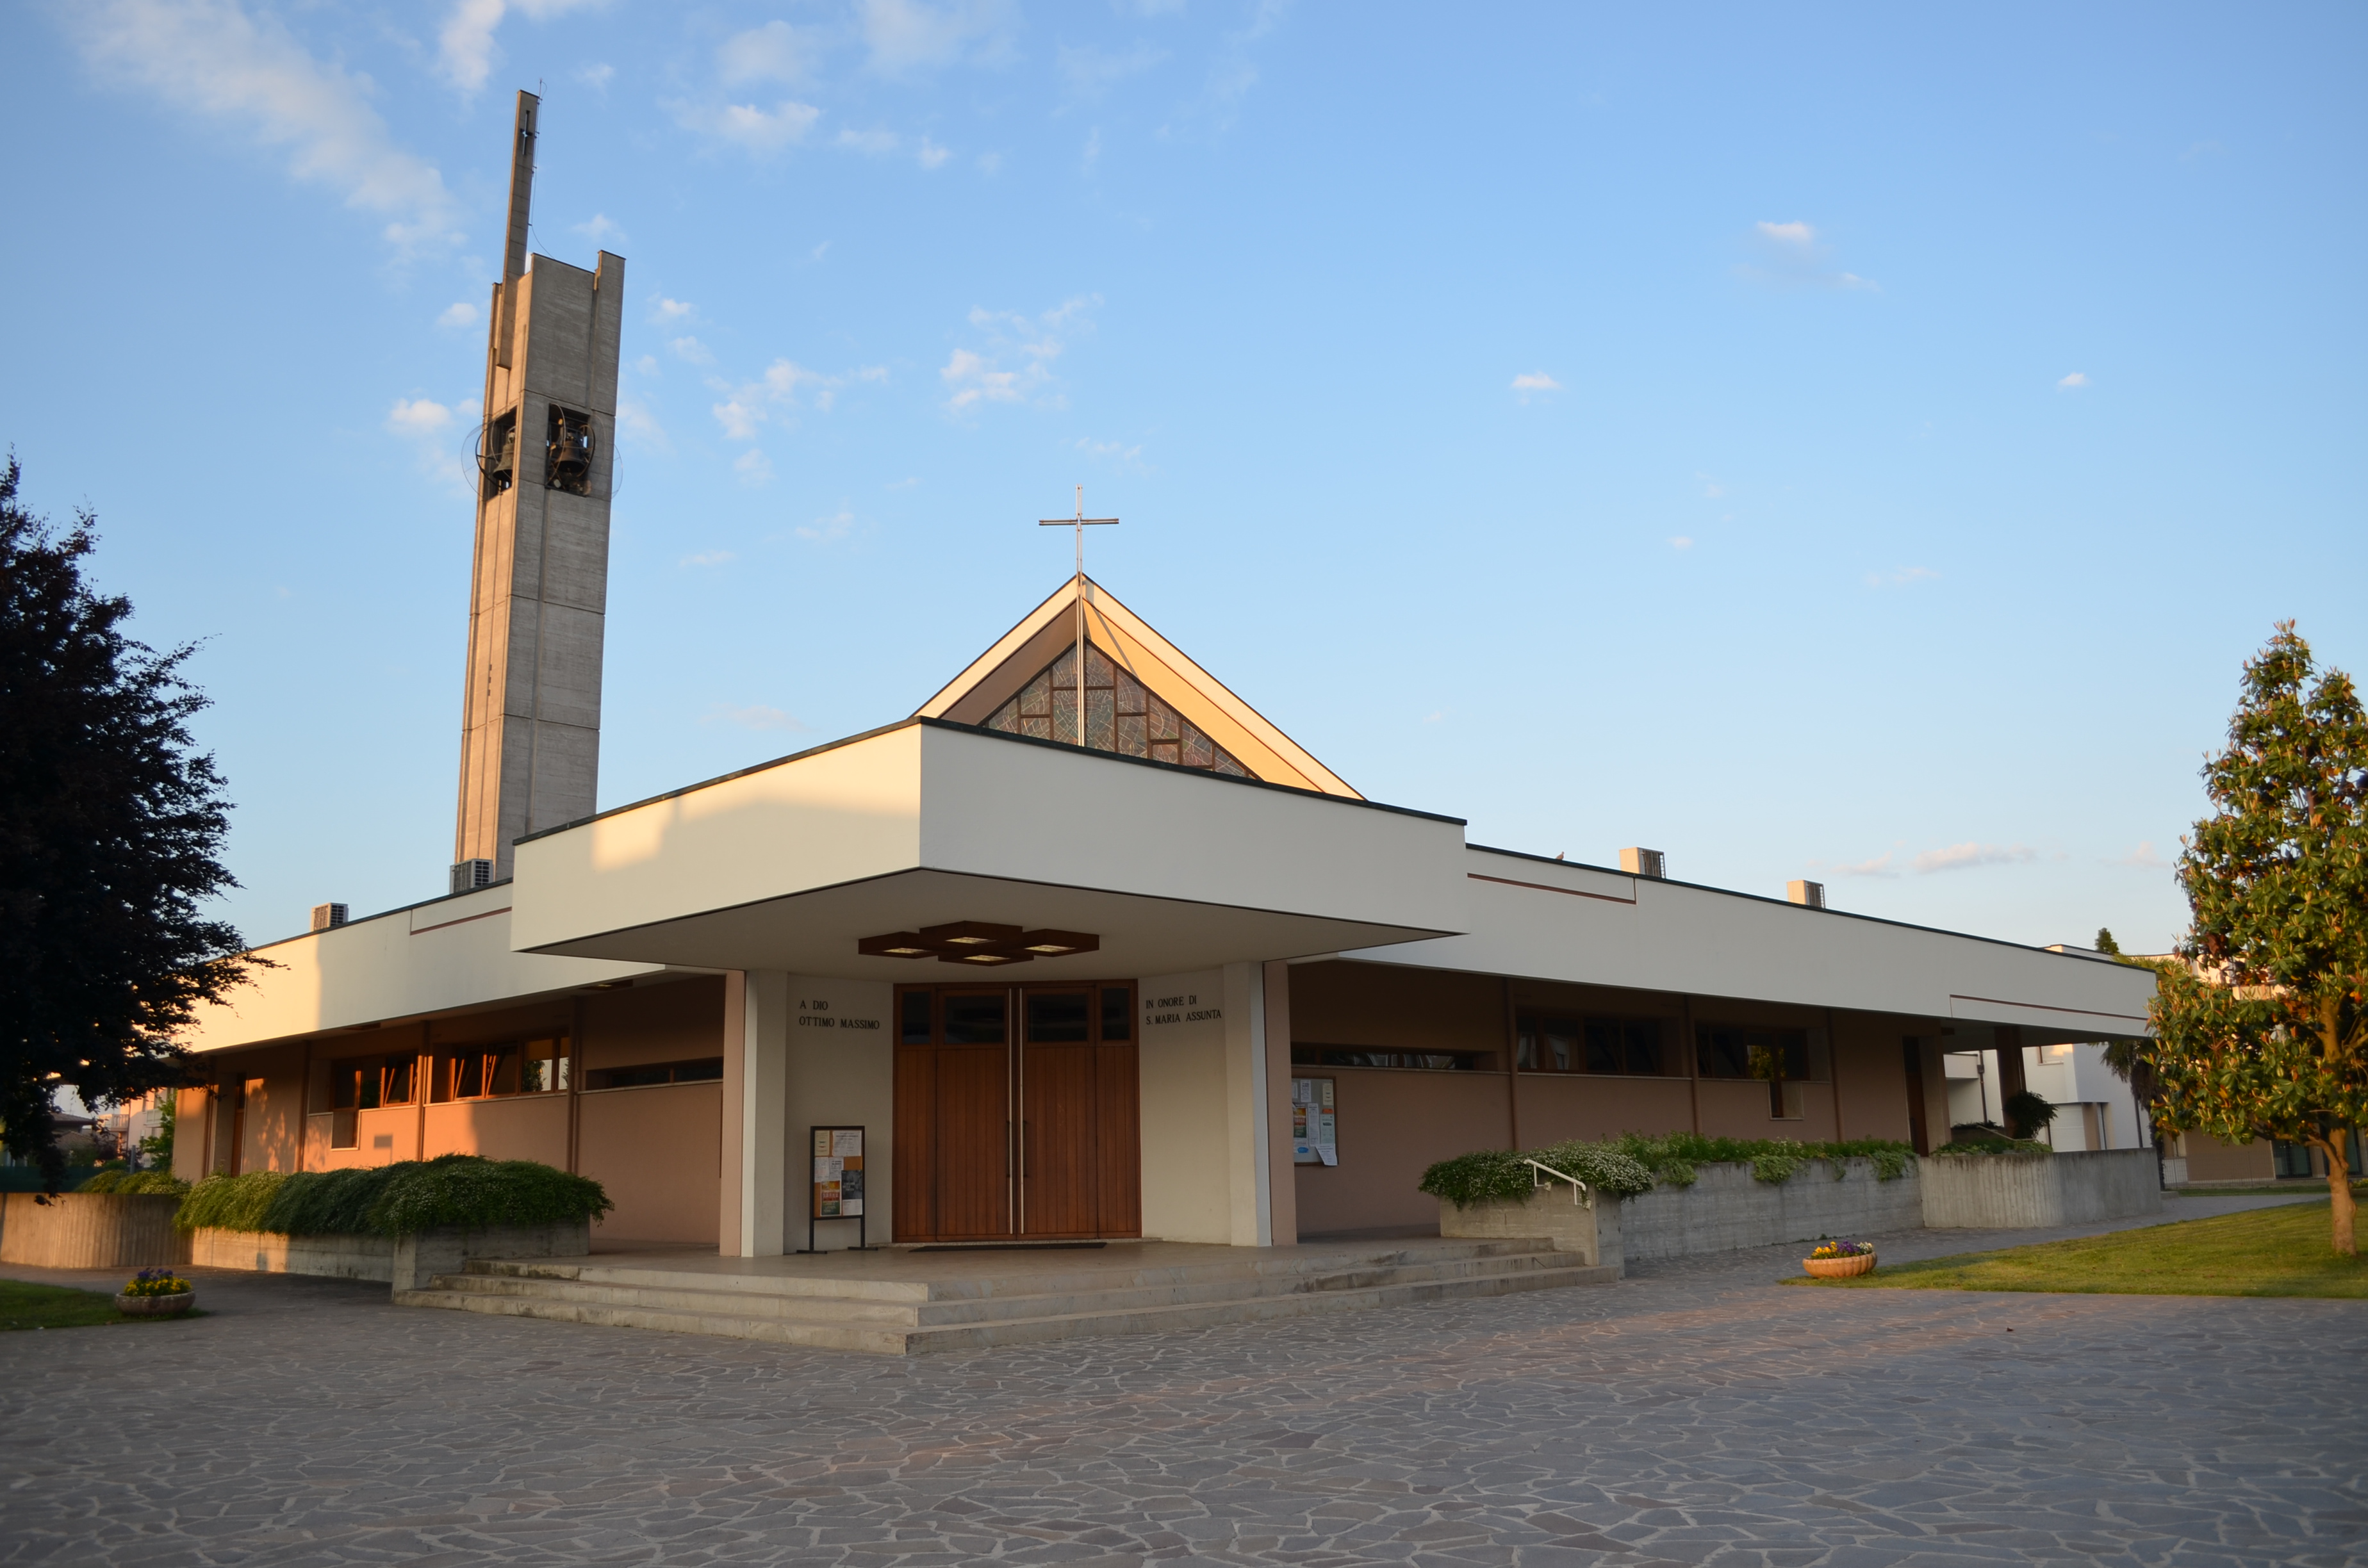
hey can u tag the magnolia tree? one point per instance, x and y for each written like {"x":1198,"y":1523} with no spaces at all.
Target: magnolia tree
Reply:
{"x":2262,"y":1031}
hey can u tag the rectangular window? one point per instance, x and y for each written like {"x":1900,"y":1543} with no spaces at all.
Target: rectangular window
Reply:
{"x":1422,"y":1061}
{"x":913,"y":1017}
{"x":705,"y":1070}
{"x":1118,"y":1013}
{"x":1058,"y":1017}
{"x":1596,"y":1045}
{"x":1727,"y":1051}
{"x":975,"y":1017}
{"x":498,"y":1072}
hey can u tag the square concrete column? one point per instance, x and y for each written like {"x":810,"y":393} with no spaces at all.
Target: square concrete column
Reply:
{"x":1248,"y":1107}
{"x":754,"y":1201}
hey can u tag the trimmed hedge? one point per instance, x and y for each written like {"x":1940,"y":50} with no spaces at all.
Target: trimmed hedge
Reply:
{"x":399,"y":1199}
{"x":1632,"y":1164}
{"x":136,"y":1184}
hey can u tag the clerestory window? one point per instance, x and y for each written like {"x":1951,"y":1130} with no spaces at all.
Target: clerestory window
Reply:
{"x":1122,"y":715}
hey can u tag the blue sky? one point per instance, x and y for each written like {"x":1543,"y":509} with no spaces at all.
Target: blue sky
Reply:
{"x":1855,"y":445}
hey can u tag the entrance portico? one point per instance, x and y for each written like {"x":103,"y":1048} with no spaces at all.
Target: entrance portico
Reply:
{"x":1124,"y":1091}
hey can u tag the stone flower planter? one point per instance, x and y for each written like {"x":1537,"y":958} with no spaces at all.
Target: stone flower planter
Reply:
{"x":170,"y":1306}
{"x":1839,"y":1267}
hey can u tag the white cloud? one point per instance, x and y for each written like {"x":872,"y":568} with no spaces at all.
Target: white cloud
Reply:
{"x":1901,"y":578}
{"x":209,"y":57}
{"x":1795,"y":256}
{"x":1878,"y":867}
{"x":637,"y":421}
{"x":931,"y":155}
{"x":713,"y":558}
{"x":595,"y":77}
{"x":754,"y":467}
{"x":1115,"y":452}
{"x":1093,"y":153}
{"x":908,"y":35}
{"x":819,"y":251}
{"x":1963,"y":856}
{"x":1679,"y":542}
{"x":2076,"y":380}
{"x":749,"y":126}
{"x":973,"y":378}
{"x":1092,"y":71}
{"x":458,"y":314}
{"x":690,"y":348}
{"x":785,"y":385}
{"x":827,"y":530}
{"x":667,"y":310}
{"x":647,"y":364}
{"x":1712,"y":488}
{"x":755,"y":716}
{"x":774,"y":53}
{"x":875,"y":143}
{"x":2144,"y":855}
{"x":1529,"y":383}
{"x":907,"y":483}
{"x":990,"y":163}
{"x":601,"y":229}
{"x":466,"y":52}
{"x":418,"y":417}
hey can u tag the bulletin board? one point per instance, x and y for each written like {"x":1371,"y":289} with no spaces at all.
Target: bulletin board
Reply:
{"x":1315,"y":1123}
{"x":835,"y":1188}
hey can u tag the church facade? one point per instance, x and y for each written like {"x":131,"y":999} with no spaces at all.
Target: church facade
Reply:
{"x":1084,"y":948}
{"x":1179,"y":981}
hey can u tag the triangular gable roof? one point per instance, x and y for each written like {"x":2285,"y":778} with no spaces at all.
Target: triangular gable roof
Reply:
{"x":997,"y":676}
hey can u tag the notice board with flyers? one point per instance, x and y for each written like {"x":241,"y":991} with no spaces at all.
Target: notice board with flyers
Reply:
{"x":837,"y":1188}
{"x":1315,"y":1123}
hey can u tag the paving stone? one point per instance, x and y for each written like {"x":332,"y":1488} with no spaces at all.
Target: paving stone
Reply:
{"x":1694,"y":1414}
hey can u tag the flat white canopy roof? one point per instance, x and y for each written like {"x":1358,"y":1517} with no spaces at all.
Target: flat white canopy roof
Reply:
{"x":787,"y":865}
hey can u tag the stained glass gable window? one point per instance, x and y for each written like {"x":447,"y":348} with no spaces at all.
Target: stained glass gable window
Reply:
{"x":1121,"y":715}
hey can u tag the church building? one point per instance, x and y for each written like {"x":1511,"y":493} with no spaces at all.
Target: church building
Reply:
{"x":1083,"y":948}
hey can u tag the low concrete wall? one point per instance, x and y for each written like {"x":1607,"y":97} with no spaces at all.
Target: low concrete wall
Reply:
{"x":406,"y":1263}
{"x":1727,"y":1208}
{"x":91,"y":1229}
{"x":1550,"y":1215}
{"x":2020,"y":1191}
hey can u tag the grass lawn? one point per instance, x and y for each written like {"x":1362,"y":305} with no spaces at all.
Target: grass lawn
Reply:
{"x":2264,"y":1251}
{"x":55,"y":1306}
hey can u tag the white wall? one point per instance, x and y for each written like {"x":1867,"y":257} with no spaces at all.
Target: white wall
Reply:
{"x":1187,"y":1144}
{"x":842,"y":1073}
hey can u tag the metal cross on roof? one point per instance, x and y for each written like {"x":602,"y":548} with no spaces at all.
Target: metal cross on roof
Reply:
{"x":1081,"y":523}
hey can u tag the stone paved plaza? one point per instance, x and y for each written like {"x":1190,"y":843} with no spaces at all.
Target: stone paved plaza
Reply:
{"x":1695,"y":1414}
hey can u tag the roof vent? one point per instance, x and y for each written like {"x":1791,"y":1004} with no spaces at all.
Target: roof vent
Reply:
{"x":1808,"y":895}
{"x":1644,"y":863}
{"x":468,"y":876}
{"x":325,"y":915}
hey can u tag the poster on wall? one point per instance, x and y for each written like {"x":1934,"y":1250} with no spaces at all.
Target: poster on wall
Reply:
{"x":1314,"y":1125}
{"x":837,"y":1181}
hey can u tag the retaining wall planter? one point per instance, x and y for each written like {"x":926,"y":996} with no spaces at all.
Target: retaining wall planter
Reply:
{"x":1549,"y":1214}
{"x":2020,"y":1191}
{"x":407,"y":1263}
{"x":1727,"y":1208}
{"x":91,"y":1229}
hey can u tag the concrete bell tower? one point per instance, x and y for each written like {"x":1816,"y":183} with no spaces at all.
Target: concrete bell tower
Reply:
{"x":538,"y":600}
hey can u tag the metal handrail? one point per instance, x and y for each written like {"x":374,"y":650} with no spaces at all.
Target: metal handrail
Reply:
{"x":1579,"y":1192}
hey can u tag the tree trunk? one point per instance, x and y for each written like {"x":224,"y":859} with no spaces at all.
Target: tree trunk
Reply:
{"x":2338,"y":1193}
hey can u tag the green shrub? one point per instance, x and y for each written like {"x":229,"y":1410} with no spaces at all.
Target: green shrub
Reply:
{"x":1969,"y":1142}
{"x":229,"y":1202}
{"x":1634,"y":1163}
{"x":136,"y":1183}
{"x":394,"y":1200}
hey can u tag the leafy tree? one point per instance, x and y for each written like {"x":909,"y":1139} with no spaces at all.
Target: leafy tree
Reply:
{"x":2105,"y":943}
{"x":110,"y":829}
{"x":2261,"y":1023}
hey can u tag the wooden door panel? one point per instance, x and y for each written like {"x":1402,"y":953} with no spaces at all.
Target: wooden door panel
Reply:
{"x":1059,"y":1090}
{"x":916,"y":1143}
{"x":973,"y":1109}
{"x":1118,"y":1144}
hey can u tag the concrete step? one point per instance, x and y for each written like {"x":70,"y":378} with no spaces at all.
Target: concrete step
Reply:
{"x":1033,"y":1328}
{"x":620,"y":1287}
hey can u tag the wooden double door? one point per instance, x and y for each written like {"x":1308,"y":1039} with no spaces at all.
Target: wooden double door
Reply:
{"x":1017,"y":1113}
